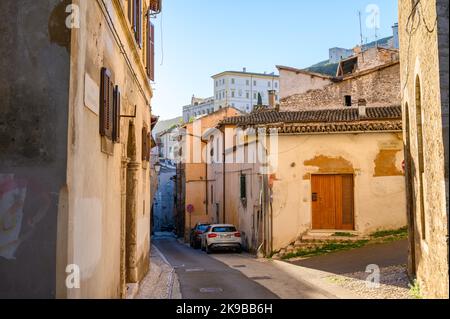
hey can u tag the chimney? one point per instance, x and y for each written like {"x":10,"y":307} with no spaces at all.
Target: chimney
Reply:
{"x":272,"y":99}
{"x":362,"y":107}
{"x":244,"y":70}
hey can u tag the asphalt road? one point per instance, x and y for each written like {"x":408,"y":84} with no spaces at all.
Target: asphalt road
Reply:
{"x":204,"y":277}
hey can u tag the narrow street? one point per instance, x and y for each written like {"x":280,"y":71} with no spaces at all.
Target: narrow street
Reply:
{"x":232,"y":276}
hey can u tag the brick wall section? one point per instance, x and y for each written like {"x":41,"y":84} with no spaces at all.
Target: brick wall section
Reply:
{"x":423,"y":52}
{"x":379,"y":87}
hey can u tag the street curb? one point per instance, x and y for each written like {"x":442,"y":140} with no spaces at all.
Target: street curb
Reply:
{"x":173,"y":276}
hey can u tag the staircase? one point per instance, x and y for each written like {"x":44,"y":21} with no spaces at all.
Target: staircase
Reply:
{"x":313,"y":239}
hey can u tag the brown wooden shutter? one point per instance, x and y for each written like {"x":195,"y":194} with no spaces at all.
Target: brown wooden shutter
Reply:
{"x":138,"y":21}
{"x":106,"y":103}
{"x":116,"y":115}
{"x":145,"y":147}
{"x":151,"y":50}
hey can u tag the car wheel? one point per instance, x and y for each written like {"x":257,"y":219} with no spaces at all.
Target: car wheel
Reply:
{"x":239,"y":250}
{"x":202,"y":247}
{"x":208,"y":250}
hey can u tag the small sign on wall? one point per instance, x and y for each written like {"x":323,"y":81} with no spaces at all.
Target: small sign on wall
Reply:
{"x":390,"y":145}
{"x":91,"y":94}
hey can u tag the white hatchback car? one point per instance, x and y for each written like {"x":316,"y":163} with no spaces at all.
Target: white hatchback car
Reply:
{"x":221,"y":236}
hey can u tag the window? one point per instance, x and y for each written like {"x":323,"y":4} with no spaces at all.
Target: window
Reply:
{"x":223,"y":81}
{"x":109,"y":107}
{"x":232,"y":81}
{"x":243,"y":187}
{"x":348,"y":100}
{"x":268,"y":84}
{"x":145,"y":144}
{"x":212,"y":194}
{"x":217,"y":83}
{"x":276,"y":85}
{"x":232,"y":93}
{"x":255,"y":96}
{"x":247,"y":82}
{"x":247,"y":95}
{"x":150,"y":50}
{"x":254,"y":83}
{"x":137,"y":21}
{"x":240,"y":93}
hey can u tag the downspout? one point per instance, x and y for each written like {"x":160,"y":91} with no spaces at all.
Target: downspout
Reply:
{"x":224,"y":174}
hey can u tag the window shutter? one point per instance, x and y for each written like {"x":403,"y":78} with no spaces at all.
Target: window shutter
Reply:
{"x":243,"y":187}
{"x":144,"y":144}
{"x":106,"y":101}
{"x":116,"y":127}
{"x":151,"y":50}
{"x":149,"y":145}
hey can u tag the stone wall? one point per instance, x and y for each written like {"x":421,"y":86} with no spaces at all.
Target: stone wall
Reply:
{"x":379,"y":87}
{"x":424,"y":77}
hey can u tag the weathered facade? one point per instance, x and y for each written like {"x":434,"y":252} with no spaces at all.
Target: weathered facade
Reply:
{"x":345,"y":159}
{"x":75,"y":175}
{"x":192,"y":170}
{"x":372,"y":75}
{"x":424,"y":61}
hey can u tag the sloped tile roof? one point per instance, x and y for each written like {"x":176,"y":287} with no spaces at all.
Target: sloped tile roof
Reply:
{"x":334,"y":120}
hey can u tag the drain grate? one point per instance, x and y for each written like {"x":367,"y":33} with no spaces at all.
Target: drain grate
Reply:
{"x":210,"y":290}
{"x":261,"y":278}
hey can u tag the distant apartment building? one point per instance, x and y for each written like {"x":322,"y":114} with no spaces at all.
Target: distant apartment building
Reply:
{"x":337,"y":54}
{"x":241,"y":89}
{"x":167,"y":142}
{"x":198,"y":107}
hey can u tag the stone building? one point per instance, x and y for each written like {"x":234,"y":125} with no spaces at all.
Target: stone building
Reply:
{"x":75,"y":145}
{"x":372,"y":75}
{"x":329,"y":171}
{"x":424,"y":61}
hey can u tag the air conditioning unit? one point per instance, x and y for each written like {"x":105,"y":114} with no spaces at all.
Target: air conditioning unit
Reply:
{"x":155,"y":6}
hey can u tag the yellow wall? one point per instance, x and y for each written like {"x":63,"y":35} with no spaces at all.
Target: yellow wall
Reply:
{"x":97,"y":181}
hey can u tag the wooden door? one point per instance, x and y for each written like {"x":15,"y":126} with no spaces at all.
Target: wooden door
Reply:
{"x":332,"y":202}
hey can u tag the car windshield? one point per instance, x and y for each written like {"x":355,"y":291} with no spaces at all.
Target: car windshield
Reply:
{"x":224,"y":229}
{"x":202,"y":227}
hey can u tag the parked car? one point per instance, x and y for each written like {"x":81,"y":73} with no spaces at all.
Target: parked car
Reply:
{"x":195,"y":238}
{"x":221,"y":236}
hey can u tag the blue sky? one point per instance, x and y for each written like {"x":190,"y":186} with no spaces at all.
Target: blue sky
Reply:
{"x":200,"y":38}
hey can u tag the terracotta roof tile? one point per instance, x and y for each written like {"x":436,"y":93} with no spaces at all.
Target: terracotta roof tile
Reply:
{"x":335,"y":120}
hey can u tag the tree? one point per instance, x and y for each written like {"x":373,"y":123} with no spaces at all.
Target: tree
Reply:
{"x":260,"y":99}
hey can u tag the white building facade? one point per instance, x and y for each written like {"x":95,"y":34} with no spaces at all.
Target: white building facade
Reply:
{"x":168,"y":145}
{"x":240,"y":89}
{"x":198,"y":107}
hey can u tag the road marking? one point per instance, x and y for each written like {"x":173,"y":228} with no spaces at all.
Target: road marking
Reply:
{"x":210,"y":290}
{"x":195,"y":270}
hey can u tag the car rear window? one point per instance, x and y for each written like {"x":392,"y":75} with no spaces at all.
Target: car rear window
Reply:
{"x":203,"y":227}
{"x":224,"y":229}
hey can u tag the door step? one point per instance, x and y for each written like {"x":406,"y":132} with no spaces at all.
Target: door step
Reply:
{"x":331,"y":235}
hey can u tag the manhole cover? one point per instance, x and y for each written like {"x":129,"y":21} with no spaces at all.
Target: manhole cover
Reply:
{"x":195,"y":270}
{"x":239,"y":266}
{"x":261,"y":278}
{"x":210,"y":290}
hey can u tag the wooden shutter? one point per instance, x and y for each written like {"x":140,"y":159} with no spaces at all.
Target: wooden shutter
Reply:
{"x":151,"y":50}
{"x":137,"y":27}
{"x":243,"y":187}
{"x":116,"y":115}
{"x":106,"y":104}
{"x":145,"y":147}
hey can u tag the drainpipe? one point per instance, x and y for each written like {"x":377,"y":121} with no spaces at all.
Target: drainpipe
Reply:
{"x":224,"y":174}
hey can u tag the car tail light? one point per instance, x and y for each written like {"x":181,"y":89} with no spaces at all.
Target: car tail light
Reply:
{"x":237,"y":234}
{"x":212,"y":235}
{"x":197,"y":232}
